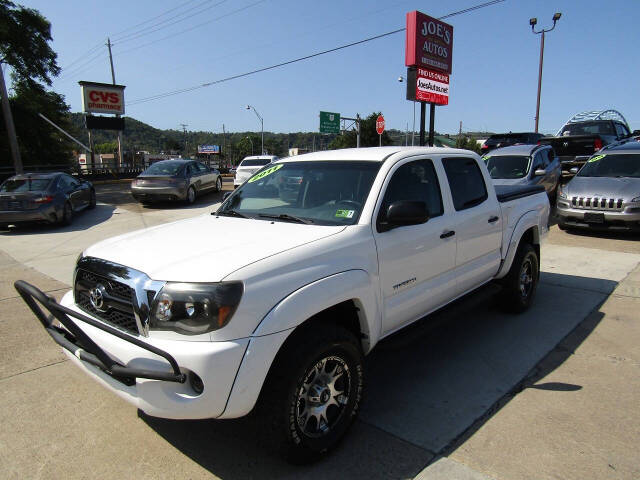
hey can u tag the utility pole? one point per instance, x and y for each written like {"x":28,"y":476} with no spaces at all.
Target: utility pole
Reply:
{"x":11,"y":129}
{"x":224,"y":145}
{"x":113,"y":79}
{"x":184,"y":129}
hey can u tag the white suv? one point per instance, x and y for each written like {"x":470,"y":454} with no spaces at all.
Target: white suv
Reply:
{"x":250,"y":165}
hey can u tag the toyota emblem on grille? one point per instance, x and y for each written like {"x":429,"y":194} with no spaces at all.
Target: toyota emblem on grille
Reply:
{"x":565,"y":144}
{"x":96,"y":297}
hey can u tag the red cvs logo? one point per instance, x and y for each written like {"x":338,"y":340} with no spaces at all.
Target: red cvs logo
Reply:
{"x":104,"y":97}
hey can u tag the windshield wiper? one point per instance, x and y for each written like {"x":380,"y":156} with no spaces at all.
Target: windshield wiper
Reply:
{"x":284,"y":216}
{"x":229,"y":213}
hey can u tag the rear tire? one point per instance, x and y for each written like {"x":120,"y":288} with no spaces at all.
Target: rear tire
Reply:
{"x":92,"y":200}
{"x":218,"y":184}
{"x":519,"y":285}
{"x":312,"y":393}
{"x":67,"y":214}
{"x":191,"y":195}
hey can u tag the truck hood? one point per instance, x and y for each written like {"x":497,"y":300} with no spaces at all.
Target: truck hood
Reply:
{"x":205,"y":248}
{"x":604,"y":187}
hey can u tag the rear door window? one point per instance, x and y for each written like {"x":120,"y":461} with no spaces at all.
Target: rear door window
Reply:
{"x":466,"y":182}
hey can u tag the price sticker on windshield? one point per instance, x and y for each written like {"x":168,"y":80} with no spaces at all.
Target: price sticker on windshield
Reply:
{"x":265,"y":173}
{"x":345,"y":213}
{"x":596,"y":158}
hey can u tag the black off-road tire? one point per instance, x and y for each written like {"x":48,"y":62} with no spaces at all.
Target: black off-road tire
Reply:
{"x":520,"y":284}
{"x":280,"y":401}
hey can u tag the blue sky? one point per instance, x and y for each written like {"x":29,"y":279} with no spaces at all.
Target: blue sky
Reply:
{"x":590,"y":60}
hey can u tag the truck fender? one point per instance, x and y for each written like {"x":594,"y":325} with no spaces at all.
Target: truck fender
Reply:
{"x":281,"y":321}
{"x":525,"y":222}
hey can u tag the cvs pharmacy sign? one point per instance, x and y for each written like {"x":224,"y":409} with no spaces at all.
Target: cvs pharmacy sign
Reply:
{"x":102,"y":98}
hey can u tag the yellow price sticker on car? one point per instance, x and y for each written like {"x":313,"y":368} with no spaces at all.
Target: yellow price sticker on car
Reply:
{"x":345,"y":213}
{"x":596,"y":158}
{"x":486,"y":157}
{"x":265,"y":173}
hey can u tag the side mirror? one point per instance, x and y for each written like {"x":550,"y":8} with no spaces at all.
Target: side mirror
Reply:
{"x":574,"y":170}
{"x":226,"y":195}
{"x":539,"y":172}
{"x":405,"y":212}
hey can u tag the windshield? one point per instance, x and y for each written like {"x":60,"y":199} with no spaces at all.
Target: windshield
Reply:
{"x":25,"y":185}
{"x":322,"y":193}
{"x":255,"y":162}
{"x":587,"y":128}
{"x":169,"y":167}
{"x":612,"y":166}
{"x":508,"y":166}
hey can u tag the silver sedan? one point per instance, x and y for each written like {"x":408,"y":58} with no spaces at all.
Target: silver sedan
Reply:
{"x":605,"y":193}
{"x":175,"y":179}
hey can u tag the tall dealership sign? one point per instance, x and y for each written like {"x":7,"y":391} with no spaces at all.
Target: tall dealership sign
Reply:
{"x":428,"y":56}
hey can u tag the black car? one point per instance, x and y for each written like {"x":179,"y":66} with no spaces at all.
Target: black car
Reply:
{"x":500,"y":140}
{"x":43,"y":197}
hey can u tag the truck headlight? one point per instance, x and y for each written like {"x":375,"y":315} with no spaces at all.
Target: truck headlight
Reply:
{"x":195,"y":308}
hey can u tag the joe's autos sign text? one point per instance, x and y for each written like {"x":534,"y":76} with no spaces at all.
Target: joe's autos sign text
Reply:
{"x":429,"y":43}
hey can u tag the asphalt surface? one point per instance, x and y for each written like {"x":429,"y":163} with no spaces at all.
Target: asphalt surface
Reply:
{"x":469,"y":393}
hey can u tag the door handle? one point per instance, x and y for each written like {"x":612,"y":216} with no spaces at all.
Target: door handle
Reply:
{"x":493,"y":219}
{"x":448,"y":234}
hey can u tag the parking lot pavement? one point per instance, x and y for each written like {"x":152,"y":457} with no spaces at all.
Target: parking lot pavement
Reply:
{"x":551,"y":393}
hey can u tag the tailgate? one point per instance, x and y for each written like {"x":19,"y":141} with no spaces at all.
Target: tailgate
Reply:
{"x":573,"y":146}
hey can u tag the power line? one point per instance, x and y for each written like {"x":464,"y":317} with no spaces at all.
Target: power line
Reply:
{"x":299,"y":59}
{"x":246,"y":7}
{"x":99,"y":45}
{"x":152,"y":18}
{"x":168,"y":22}
{"x":82,"y":67}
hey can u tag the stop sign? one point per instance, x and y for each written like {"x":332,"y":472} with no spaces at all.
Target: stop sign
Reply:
{"x":380,"y":124}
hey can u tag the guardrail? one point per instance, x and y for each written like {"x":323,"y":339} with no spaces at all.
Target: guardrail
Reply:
{"x":102,"y":171}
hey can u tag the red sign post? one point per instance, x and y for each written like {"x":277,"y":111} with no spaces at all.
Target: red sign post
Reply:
{"x":380,"y":127}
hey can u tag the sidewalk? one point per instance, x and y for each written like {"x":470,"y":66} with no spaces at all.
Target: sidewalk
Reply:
{"x":575,"y":416}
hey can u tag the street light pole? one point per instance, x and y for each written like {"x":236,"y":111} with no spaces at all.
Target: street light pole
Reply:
{"x":533,"y":22}
{"x":249,"y":107}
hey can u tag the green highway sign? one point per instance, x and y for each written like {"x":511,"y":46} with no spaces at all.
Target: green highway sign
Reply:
{"x":329,"y":122}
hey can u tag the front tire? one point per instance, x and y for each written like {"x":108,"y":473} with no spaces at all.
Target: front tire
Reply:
{"x":522,"y":280}
{"x":313,"y":392}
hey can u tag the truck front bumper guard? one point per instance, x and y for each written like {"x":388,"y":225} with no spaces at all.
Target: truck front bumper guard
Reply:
{"x":80,"y":345}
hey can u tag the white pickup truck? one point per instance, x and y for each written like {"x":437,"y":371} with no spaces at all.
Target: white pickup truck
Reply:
{"x":273,"y":300}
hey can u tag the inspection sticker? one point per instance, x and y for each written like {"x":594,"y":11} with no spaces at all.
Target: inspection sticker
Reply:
{"x":264,"y":173}
{"x":345,"y":213}
{"x":596,"y":158}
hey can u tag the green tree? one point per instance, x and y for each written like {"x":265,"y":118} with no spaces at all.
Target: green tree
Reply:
{"x":107,"y":147}
{"x":40,"y":143}
{"x":24,"y":46}
{"x":468,"y":144}
{"x":368,"y":135}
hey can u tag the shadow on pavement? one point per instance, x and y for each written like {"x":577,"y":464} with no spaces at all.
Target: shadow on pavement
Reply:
{"x":81,"y":221}
{"x":429,"y":387}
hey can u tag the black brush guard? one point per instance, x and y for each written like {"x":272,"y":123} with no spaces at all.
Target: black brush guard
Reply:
{"x":79,"y":344}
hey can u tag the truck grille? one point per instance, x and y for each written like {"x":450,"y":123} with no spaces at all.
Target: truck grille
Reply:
{"x":597,"y":203}
{"x":117,"y":300}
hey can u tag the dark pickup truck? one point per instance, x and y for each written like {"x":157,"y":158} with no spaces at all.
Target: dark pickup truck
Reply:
{"x":578,"y":140}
